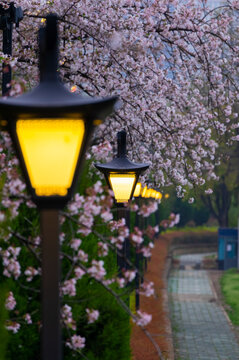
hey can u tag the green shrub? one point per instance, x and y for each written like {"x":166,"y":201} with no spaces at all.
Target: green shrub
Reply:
{"x":230,"y":289}
{"x":3,"y":317}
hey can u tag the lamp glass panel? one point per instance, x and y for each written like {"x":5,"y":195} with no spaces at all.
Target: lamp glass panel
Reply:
{"x":122,"y":185}
{"x":137,"y":190}
{"x":50,"y":148}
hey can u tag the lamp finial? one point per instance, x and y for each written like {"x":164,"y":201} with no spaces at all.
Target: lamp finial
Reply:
{"x":121,"y":141}
{"x":48,"y":48}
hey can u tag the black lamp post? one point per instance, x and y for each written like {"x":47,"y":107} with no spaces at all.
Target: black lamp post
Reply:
{"x":50,"y":128}
{"x":122,"y":175}
{"x":138,"y":255}
{"x":8,"y":17}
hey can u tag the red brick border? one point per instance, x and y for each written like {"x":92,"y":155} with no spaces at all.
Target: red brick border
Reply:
{"x":160,"y":326}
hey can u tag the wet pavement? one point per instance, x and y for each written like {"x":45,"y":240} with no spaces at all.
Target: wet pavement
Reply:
{"x":201,"y":328}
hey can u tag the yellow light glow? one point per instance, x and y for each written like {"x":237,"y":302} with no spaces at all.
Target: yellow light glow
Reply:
{"x":143,"y":193}
{"x":147,"y":193}
{"x":158,"y":195}
{"x":122,"y":185}
{"x":166,"y":196}
{"x":50,"y":148}
{"x":137,"y":190}
{"x":153,"y":193}
{"x":73,"y":88}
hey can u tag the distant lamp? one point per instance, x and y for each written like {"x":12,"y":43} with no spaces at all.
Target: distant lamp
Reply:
{"x":158,"y":195}
{"x":148,"y":193}
{"x":51,"y":127}
{"x":143,"y":192}
{"x":137,"y":190}
{"x":153,"y":193}
{"x":121,"y":174}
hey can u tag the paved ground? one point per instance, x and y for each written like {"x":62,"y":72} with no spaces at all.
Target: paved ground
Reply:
{"x":200,"y":326}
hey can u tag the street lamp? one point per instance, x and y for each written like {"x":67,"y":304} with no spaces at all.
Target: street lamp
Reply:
{"x":153,"y":193}
{"x":8,"y":17}
{"x":50,"y":128}
{"x":143,"y":192}
{"x":121,"y":174}
{"x":137,"y":190}
{"x":158,"y":195}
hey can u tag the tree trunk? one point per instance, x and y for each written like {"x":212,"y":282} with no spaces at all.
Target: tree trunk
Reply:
{"x":219,"y":204}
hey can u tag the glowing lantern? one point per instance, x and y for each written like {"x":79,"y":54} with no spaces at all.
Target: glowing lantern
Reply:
{"x":158,"y":195}
{"x":122,"y":174}
{"x":137,"y":190}
{"x":148,"y":193}
{"x":153,"y":193}
{"x":143,"y":192}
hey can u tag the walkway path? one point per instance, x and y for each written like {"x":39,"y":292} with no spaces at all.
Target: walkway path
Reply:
{"x":200,"y":326}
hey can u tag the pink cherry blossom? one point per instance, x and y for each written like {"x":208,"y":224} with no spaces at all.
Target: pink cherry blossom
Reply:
{"x":129,"y":275}
{"x":13,"y":326}
{"x":137,"y":236}
{"x":79,"y":273}
{"x":121,"y":282}
{"x":69,"y":287}
{"x":82,"y":256}
{"x":75,"y":243}
{"x":92,"y":315}
{"x":76,"y":342}
{"x":117,"y":241}
{"x":148,"y":209}
{"x":106,"y":216}
{"x":97,"y":269}
{"x":146,"y":251}
{"x":143,"y":318}
{"x":103,"y":249}
{"x":208,"y":191}
{"x":66,"y":313}
{"x":30,"y":272}
{"x":10,"y":302}
{"x":28,"y":318}
{"x":147,"y":289}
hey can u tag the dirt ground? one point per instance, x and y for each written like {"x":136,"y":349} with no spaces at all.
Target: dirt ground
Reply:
{"x":160,"y":327}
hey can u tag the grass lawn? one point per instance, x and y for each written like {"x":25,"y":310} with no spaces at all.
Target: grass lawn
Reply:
{"x":193,"y":229}
{"x":230,"y":290}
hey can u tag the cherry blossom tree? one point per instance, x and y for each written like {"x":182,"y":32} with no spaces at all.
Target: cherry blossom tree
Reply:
{"x":172,"y":63}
